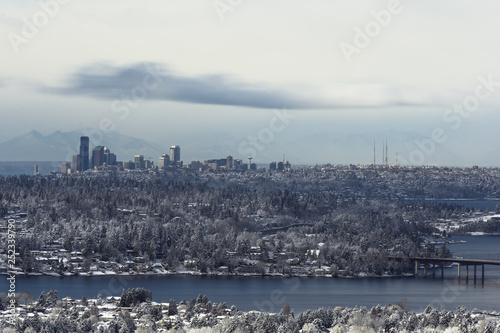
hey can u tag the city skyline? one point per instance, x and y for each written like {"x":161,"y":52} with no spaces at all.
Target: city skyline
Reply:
{"x":348,"y":70}
{"x":60,"y":146}
{"x":103,"y":159}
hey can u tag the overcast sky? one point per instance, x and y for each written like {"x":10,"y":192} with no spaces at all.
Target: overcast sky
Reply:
{"x":160,"y":69}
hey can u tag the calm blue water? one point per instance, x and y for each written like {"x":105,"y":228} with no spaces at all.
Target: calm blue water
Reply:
{"x":477,"y":247}
{"x":270,"y":294}
{"x":486,"y":204}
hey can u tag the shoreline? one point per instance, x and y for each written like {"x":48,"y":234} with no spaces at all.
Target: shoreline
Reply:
{"x":194,"y":273}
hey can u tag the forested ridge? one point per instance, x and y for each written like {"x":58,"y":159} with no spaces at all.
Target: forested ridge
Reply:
{"x":307,"y":222}
{"x":256,"y":223}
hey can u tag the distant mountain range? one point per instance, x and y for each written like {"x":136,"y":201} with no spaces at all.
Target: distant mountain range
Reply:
{"x":60,"y":146}
{"x":307,"y":149}
{"x":28,"y":167}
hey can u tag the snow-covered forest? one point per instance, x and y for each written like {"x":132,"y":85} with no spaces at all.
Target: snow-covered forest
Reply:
{"x":342,"y":222}
{"x":328,"y":221}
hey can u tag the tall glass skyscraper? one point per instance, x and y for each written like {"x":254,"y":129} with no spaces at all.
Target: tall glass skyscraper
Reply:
{"x":84,"y":152}
{"x":175,"y":154}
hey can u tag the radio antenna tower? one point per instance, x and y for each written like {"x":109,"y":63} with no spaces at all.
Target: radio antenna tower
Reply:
{"x":383,"y":154}
{"x":386,"y":153}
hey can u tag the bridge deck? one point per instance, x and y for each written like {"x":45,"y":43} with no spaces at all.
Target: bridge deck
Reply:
{"x":461,"y":262}
{"x":451,"y":260}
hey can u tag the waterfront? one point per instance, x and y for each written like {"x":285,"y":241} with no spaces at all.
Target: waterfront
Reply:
{"x":480,"y":204}
{"x":270,"y":294}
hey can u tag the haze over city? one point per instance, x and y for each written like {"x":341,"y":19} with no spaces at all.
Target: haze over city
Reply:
{"x":210,"y":77}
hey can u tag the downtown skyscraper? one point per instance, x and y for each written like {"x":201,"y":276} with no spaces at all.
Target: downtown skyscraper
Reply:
{"x":84,"y":153}
{"x":81,"y":161}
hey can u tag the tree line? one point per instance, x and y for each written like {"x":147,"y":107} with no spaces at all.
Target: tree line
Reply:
{"x":215,"y":220}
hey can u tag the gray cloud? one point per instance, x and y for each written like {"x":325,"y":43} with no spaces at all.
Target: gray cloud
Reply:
{"x":110,"y":82}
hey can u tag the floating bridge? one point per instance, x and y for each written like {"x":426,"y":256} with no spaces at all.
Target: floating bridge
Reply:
{"x":440,"y":262}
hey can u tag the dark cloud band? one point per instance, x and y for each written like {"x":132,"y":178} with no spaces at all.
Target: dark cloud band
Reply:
{"x":109,"y":82}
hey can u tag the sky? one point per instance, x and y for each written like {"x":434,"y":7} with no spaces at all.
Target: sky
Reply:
{"x":423,"y":75}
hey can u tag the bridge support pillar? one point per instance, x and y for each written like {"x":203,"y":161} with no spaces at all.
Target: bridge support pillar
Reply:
{"x":482,"y":275}
{"x":474,"y":274}
{"x":425,"y":269}
{"x":442,"y":271}
{"x":466,"y":273}
{"x":416,"y":267}
{"x":458,"y":271}
{"x":433,"y":270}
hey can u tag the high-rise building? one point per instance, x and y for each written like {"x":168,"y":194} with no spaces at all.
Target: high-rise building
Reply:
{"x":139,"y":161}
{"x":175,"y":154}
{"x":237,"y":164}
{"x":280,"y":166}
{"x":216,"y":164}
{"x":163,"y":161}
{"x":36,"y":173}
{"x":77,"y":163}
{"x":97,"y":157}
{"x":272,"y":166}
{"x":195,"y":165}
{"x":229,"y":162}
{"x":84,"y":153}
{"x":109,"y":157}
{"x":129,"y":165}
{"x":65,"y":168}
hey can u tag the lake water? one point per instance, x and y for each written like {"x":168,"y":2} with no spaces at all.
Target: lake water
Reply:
{"x":486,"y":204}
{"x":270,"y":294}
